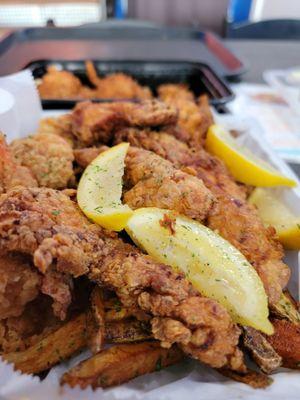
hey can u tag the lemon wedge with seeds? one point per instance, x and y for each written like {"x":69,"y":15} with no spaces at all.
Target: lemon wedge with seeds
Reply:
{"x":243,"y":165}
{"x":100,"y":189}
{"x":214,"y":267}
{"x":273,"y":212}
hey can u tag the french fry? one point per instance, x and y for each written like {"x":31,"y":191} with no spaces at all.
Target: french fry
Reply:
{"x":57,"y":346}
{"x":254,"y":379}
{"x":287,"y":308}
{"x":121,"y":363}
{"x":115,"y":311}
{"x":96,"y":321}
{"x":126,"y":331}
{"x":286,"y":342}
{"x":261,"y":350}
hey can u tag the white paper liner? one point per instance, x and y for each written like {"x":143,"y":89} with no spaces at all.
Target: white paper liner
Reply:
{"x":26,"y":110}
{"x":189,"y":379}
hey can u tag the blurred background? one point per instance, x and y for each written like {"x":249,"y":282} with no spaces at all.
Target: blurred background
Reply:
{"x":233,"y":18}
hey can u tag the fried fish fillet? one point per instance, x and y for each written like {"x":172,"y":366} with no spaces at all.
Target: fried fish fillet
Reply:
{"x":47,"y":225}
{"x":232,"y":217}
{"x":48,"y":157}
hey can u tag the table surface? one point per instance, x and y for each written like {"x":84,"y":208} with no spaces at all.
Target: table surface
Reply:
{"x":260,"y":55}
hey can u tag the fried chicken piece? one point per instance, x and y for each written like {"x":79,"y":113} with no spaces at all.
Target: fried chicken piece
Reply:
{"x":232,"y":217}
{"x":61,"y":126}
{"x":93,"y":123}
{"x":32,"y":221}
{"x":19,"y":284}
{"x":48,"y":157}
{"x":12,"y":174}
{"x":59,"y":85}
{"x":194,"y":117}
{"x":157,"y":183}
{"x":68,"y":242}
{"x":115,"y":86}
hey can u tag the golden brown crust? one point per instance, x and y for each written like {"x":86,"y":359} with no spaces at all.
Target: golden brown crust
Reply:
{"x":59,"y":85}
{"x":194,"y":117}
{"x":48,"y":157}
{"x":12,"y":174}
{"x":155,"y":182}
{"x":95,"y":123}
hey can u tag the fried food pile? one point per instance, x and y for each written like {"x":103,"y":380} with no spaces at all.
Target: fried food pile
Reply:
{"x":93,"y":286}
{"x":56,"y":84}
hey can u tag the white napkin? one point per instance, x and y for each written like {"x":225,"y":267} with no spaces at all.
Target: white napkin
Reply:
{"x":20,"y":106}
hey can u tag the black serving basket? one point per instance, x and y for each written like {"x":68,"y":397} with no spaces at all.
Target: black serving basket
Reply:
{"x":199,"y":77}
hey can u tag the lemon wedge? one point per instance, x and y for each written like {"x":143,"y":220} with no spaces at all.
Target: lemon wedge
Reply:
{"x":100,"y":189}
{"x":273,"y":212}
{"x":214,"y":267}
{"x":243,"y":165}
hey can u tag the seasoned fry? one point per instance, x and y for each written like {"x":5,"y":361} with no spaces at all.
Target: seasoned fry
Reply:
{"x":287,"y":308}
{"x":252,"y":378}
{"x":127,"y":331}
{"x":58,"y":346}
{"x":115,"y":311}
{"x":121,"y":363}
{"x":261,"y":350}
{"x":286,"y":341}
{"x":96,"y":321}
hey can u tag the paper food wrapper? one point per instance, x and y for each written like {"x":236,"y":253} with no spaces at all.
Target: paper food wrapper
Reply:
{"x":278,"y":122}
{"x":20,"y":106}
{"x":189,"y":379}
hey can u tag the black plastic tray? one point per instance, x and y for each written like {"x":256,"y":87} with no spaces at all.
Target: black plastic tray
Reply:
{"x":198,"y":76}
{"x":118,"y":41}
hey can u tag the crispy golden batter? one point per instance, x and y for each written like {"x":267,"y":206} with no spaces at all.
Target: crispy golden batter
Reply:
{"x":93,"y":123}
{"x":19,"y":284}
{"x":232,"y":217}
{"x":12,"y":174}
{"x":59,"y":85}
{"x":156,"y":183}
{"x":48,"y":157}
{"x":194,"y":117}
{"x":31,"y":222}
{"x":61,"y":126}
{"x":115,"y":86}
